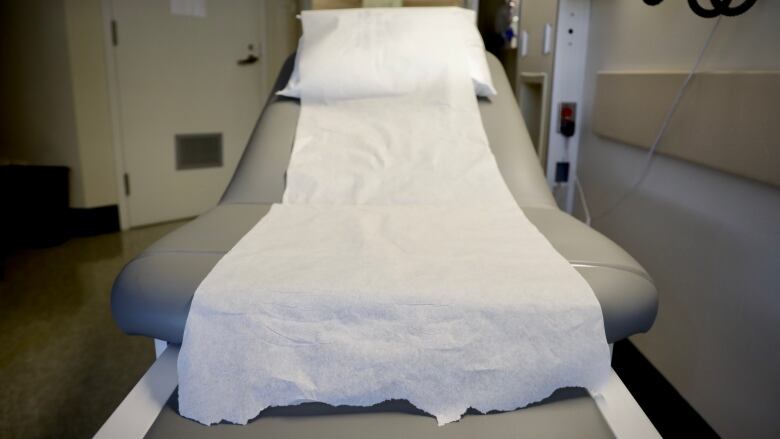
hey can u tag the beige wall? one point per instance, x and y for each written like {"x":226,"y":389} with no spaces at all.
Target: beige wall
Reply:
{"x":282,"y":30}
{"x":38,"y":119}
{"x":710,"y":240}
{"x":55,"y":102}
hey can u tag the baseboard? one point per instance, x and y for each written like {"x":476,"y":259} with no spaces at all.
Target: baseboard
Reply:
{"x":93,"y":221}
{"x":669,"y":412}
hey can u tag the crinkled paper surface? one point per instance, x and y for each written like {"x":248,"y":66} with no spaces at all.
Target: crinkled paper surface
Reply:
{"x":398,"y":266}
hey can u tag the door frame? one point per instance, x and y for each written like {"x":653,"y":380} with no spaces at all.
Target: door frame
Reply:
{"x":115,"y":107}
{"x":112,"y":81}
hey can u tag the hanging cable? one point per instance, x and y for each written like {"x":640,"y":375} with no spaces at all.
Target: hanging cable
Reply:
{"x":716,"y":8}
{"x":662,"y":131}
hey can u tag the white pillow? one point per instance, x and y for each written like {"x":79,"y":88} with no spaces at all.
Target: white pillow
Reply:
{"x":465,"y":29}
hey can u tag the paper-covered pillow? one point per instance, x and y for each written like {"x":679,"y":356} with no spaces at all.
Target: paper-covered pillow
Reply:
{"x":399,"y":27}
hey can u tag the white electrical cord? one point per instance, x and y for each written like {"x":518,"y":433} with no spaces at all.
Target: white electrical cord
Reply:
{"x":583,"y":199}
{"x":661,"y":132}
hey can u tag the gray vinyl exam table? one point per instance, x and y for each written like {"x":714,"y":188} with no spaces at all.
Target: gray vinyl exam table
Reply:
{"x":152,"y":295}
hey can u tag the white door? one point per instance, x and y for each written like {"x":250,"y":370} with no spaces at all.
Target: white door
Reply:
{"x":186,"y":105}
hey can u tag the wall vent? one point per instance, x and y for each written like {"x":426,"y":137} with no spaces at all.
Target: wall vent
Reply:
{"x":197,"y":151}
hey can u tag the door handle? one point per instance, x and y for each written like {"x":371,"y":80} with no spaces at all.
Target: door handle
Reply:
{"x":250,"y":59}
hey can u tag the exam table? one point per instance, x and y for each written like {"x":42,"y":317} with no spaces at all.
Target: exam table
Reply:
{"x":152,"y":295}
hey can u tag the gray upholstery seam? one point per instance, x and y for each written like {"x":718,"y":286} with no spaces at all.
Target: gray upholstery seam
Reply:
{"x":619,"y":267}
{"x":573,"y":263}
{"x":252,"y":203}
{"x":194,"y":252}
{"x":535,"y":206}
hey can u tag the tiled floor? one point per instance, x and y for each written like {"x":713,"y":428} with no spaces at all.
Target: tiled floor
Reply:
{"x":64,"y":365}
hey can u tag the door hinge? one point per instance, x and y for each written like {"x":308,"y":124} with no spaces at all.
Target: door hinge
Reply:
{"x":114,"y":33}
{"x":127,"y":184}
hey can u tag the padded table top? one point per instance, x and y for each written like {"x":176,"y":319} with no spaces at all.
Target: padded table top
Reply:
{"x":152,"y":295}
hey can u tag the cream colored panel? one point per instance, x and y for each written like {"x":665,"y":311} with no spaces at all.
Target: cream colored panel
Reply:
{"x":726,"y":120}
